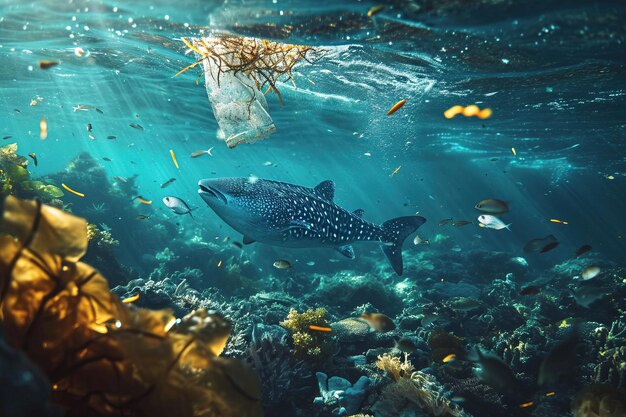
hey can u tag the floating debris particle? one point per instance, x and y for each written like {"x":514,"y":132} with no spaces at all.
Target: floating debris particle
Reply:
{"x":142,"y":217}
{"x":136,"y":126}
{"x":200,"y":152}
{"x":131,"y":299}
{"x":79,"y":52}
{"x":396,"y":107}
{"x":395,"y":171}
{"x":7,"y":137}
{"x":320,"y":328}
{"x":72,"y":191}
{"x":514,"y":152}
{"x":282,"y":264}
{"x":91,"y":137}
{"x":219,"y":264}
{"x":420,"y":241}
{"x":375,"y":10}
{"x":48,"y":64}
{"x":174,"y":159}
{"x":36,"y":101}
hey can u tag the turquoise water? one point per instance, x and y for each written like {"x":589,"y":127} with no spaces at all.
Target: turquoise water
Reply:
{"x":552,"y":72}
{"x":553,"y":76}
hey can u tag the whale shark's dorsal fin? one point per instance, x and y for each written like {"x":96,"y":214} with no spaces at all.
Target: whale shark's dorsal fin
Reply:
{"x":347,"y":251}
{"x":247,"y":240}
{"x":326,"y":190}
{"x":358,"y":212}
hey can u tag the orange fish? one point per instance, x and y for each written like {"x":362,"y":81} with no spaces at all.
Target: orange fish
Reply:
{"x":143,"y":200}
{"x":396,"y":107}
{"x":379,"y":322}
{"x":43,"y":128}
{"x":72,"y":191}
{"x":528,"y":404}
{"x":131,"y":299}
{"x":449,"y":358}
{"x":320,"y":328}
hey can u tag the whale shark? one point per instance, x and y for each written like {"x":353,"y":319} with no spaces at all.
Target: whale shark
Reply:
{"x":289,"y":215}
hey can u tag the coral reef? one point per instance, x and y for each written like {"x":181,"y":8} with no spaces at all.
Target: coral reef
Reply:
{"x":308,"y":344}
{"x":102,"y":356}
{"x":340,"y":395}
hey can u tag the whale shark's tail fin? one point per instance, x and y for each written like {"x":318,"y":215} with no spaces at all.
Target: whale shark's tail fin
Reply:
{"x":396,"y":231}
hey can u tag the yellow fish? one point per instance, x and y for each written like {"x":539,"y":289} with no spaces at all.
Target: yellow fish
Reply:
{"x":174,"y":158}
{"x":395,"y":171}
{"x":558,"y":221}
{"x":131,"y":299}
{"x":72,"y":191}
{"x":513,"y":150}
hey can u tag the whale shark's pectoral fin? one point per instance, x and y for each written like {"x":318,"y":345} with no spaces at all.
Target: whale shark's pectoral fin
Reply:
{"x":247,"y":240}
{"x":358,"y":212}
{"x":347,"y":251}
{"x":326,"y":190}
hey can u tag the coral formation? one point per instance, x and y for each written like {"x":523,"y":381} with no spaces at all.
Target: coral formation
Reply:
{"x":338,"y":393}
{"x":308,"y":344}
{"x":102,"y":356}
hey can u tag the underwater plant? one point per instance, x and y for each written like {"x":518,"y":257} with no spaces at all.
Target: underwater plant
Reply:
{"x":15,"y":179}
{"x":104,"y":357}
{"x":411,"y":388}
{"x":308,"y":344}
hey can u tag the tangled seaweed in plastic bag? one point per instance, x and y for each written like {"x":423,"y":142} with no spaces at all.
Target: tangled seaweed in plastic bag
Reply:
{"x":263,"y":61}
{"x":104,"y":357}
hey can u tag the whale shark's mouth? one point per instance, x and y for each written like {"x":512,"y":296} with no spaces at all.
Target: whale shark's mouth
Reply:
{"x":213,"y":192}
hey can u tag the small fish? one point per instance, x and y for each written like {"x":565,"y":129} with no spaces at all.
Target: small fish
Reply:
{"x":143,"y":200}
{"x":561,"y":360}
{"x":375,"y":9}
{"x":111,"y":137}
{"x":395,"y":171}
{"x":43,"y":129}
{"x":460,"y":223}
{"x":445,"y":221}
{"x":588,"y":273}
{"x":514,"y":151}
{"x":201,"y":152}
{"x":368,"y":154}
{"x":92,"y":137}
{"x":7,"y":137}
{"x":530,"y":290}
{"x":395,"y":107}
{"x":496,"y":373}
{"x":136,"y":126}
{"x":550,"y":394}
{"x":89,"y":127}
{"x":449,"y":358}
{"x":558,"y":221}
{"x":174,"y":159}
{"x":310,"y":263}
{"x":48,"y":64}
{"x":34,"y":157}
{"x":379,"y":322}
{"x":492,"y":206}
{"x":419,"y":241}
{"x":528,"y":404}
{"x":237,"y":245}
{"x":177,"y":205}
{"x":405,"y":345}
{"x":106,"y":159}
{"x":464,"y":304}
{"x":168,"y":182}
{"x":142,"y":217}
{"x":320,"y":328}
{"x":85,"y":107}
{"x":72,"y":191}
{"x":492,"y":222}
{"x":541,"y":245}
{"x":582,"y":250}
{"x":587,"y":295}
{"x":131,"y":299}
{"x":17,"y":110}
{"x":282,"y":264}
{"x":120,"y":179}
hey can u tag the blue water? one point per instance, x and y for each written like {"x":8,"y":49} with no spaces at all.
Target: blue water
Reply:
{"x":553,"y":72}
